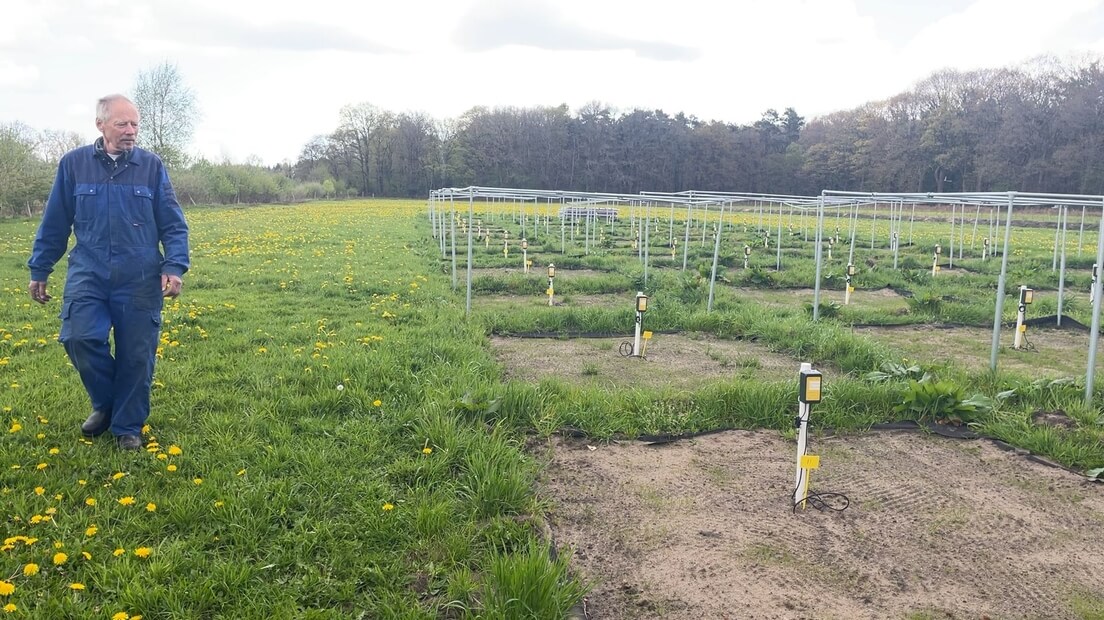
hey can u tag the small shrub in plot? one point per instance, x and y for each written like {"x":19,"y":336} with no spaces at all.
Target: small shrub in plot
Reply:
{"x":942,"y":401}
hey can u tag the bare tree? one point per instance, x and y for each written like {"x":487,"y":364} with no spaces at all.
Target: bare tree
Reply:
{"x":168,"y":110}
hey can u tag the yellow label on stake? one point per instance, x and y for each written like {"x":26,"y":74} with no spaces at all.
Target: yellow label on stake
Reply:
{"x":850,"y":289}
{"x":647,"y":335}
{"x":938,"y":268}
{"x":548,"y":292}
{"x":810,"y":461}
{"x":1023,"y":329}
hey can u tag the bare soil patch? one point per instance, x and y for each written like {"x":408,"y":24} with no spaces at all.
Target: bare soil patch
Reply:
{"x":538,"y":271}
{"x":884,"y":298}
{"x":937,"y":528}
{"x":673,"y":360}
{"x":571,"y":300}
{"x":1054,"y":352}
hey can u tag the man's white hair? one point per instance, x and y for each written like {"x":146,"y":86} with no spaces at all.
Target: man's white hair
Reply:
{"x":104,"y":105}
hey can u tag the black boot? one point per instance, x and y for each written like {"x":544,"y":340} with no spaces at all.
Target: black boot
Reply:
{"x":97,"y":424}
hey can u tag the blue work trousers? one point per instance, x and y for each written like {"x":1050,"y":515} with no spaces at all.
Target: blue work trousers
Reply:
{"x":118,"y":385}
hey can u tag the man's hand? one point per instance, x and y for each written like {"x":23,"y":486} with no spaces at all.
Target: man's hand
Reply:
{"x":170,"y":285}
{"x":38,"y":292}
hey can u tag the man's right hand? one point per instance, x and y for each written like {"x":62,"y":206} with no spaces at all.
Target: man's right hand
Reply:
{"x":38,"y":291}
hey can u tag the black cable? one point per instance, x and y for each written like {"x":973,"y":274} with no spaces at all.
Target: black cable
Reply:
{"x":815,"y":499}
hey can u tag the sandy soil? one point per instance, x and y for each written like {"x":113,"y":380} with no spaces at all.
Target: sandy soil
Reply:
{"x":538,"y":270}
{"x":936,"y":528}
{"x":675,"y":360}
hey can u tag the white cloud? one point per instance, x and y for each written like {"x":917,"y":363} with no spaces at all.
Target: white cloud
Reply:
{"x":15,"y":75}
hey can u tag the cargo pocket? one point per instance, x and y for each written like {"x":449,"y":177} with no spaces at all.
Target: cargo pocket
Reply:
{"x":66,"y":326}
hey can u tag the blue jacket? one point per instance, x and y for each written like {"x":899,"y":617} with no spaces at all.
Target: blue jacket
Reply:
{"x":122,"y":213}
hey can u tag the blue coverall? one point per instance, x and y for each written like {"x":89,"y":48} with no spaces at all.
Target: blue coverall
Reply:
{"x":121,"y":211}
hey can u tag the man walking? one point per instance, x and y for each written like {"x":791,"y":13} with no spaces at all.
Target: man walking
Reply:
{"x":119,"y":203}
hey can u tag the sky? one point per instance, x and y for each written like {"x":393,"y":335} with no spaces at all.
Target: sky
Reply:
{"x":269,"y":75}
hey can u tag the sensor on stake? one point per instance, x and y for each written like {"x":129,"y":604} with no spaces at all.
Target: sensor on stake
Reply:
{"x":808,"y":392}
{"x":1026,"y":296}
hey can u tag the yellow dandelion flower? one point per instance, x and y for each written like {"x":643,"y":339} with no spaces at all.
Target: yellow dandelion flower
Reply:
{"x":42,"y":466}
{"x":91,"y":531}
{"x":76,"y":586}
{"x":39,"y":490}
{"x":145,"y":429}
{"x":162,"y":456}
{"x":91,"y":501}
{"x":388,"y":506}
{"x":118,"y":475}
{"x":59,"y":497}
{"x":82,"y":482}
{"x":30,"y":569}
{"x":118,"y":552}
{"x":6,"y":588}
{"x":122,"y":615}
{"x":377,"y":403}
{"x":54,"y":450}
{"x":143,"y":552}
{"x":60,"y":558}
{"x":218,"y":504}
{"x":51,"y":510}
{"x":241,"y":472}
{"x":58,"y":544}
{"x":10,"y":608}
{"x":15,"y":427}
{"x":197,"y":481}
{"x":86,"y":555}
{"x":151,"y":507}
{"x":171,"y":468}
{"x":40,"y":436}
{"x":175,"y":450}
{"x":126,"y":501}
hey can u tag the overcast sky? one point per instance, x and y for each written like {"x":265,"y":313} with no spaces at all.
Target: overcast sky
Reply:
{"x":268,"y":75}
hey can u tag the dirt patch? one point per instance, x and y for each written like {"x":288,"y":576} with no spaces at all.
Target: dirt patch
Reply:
{"x":884,"y":298}
{"x":538,"y":270}
{"x":1051,"y":352}
{"x":936,"y":528}
{"x":673,"y":360}
{"x":571,"y":300}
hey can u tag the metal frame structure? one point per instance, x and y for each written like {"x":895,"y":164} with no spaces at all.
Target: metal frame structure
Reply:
{"x":837,"y":201}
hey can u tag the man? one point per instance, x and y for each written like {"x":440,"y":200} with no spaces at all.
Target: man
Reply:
{"x":117,"y":200}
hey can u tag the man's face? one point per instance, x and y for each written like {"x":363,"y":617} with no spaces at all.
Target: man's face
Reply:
{"x":120,"y":130}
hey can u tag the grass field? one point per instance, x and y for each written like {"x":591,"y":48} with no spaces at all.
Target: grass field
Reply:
{"x":332,"y":438}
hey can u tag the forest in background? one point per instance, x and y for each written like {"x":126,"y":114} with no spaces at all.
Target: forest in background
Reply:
{"x":1035,"y":127}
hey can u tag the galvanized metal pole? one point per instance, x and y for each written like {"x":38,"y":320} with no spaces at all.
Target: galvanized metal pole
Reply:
{"x":950,"y":255}
{"x":1094,"y":329}
{"x":1057,"y":231}
{"x":778,"y":248}
{"x":873,"y":222}
{"x":1063,"y":217}
{"x":686,"y":240}
{"x":716,"y":254}
{"x":819,"y":257}
{"x":853,"y":229}
{"x":471,"y":212}
{"x":647,"y":227}
{"x":973,"y":235}
{"x":452,"y":237}
{"x":1000,"y":286}
{"x":1081,"y":236}
{"x":912,"y":220}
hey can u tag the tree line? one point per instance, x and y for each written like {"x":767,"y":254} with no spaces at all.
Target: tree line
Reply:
{"x":1035,"y":127}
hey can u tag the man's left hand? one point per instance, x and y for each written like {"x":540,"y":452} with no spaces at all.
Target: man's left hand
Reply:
{"x":171,"y":285}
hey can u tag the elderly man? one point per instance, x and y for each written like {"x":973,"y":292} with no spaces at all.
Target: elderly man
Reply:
{"x":117,"y":200}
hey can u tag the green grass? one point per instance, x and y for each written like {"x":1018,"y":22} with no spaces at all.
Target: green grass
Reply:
{"x":342,"y":443}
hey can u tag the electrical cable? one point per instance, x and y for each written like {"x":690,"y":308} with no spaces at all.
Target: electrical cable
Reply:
{"x":819,"y":500}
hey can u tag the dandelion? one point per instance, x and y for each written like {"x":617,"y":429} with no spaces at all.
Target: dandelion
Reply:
{"x":122,"y":615}
{"x":218,"y":504}
{"x":39,"y":490}
{"x":126,"y":501}
{"x":145,"y":429}
{"x":60,"y":558}
{"x":162,"y":456}
{"x":6,"y":588}
{"x":82,"y":483}
{"x":54,"y":451}
{"x":40,"y":436}
{"x":241,"y":472}
{"x":151,"y":507}
{"x":143,"y":552}
{"x":197,"y":481}
{"x":118,"y":552}
{"x":91,"y":531}
{"x":86,"y":555}
{"x":76,"y":586}
{"x":42,"y":466}
{"x":171,"y":468}
{"x":15,"y":427}
{"x":30,"y":569}
{"x":388,"y":506}
{"x":175,"y":450}
{"x":117,"y":475}
{"x":10,"y":608}
{"x":377,"y":403}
